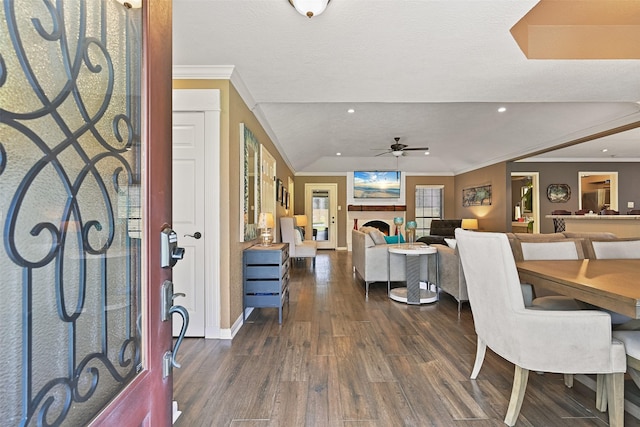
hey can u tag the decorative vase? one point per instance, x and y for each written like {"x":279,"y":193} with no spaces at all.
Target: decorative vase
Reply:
{"x":411,"y":232}
{"x":398,"y":221}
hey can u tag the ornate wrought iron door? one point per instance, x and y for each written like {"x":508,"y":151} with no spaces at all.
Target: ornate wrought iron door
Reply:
{"x":70,"y":207}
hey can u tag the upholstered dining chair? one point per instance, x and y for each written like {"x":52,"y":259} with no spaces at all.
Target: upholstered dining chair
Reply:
{"x":616,"y":249}
{"x":565,"y":342}
{"x":565,"y":249}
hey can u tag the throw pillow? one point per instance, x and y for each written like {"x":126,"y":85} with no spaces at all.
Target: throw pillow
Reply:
{"x":451,"y":243}
{"x":394,"y":239}
{"x":377,"y":236}
{"x":297,"y":237}
{"x":366,"y":229}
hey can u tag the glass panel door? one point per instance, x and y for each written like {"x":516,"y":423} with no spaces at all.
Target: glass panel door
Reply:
{"x":70,"y":207}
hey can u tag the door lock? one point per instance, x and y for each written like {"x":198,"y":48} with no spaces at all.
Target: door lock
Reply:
{"x":170,"y":252}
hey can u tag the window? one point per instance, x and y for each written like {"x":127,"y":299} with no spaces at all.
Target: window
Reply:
{"x":428,"y":207}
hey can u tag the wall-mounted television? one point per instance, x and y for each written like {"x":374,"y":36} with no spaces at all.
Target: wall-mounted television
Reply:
{"x":376,"y":185}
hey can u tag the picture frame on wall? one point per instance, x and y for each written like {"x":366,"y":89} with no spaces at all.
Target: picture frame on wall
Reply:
{"x":278,"y":190}
{"x":286,"y":201}
{"x":558,"y":193}
{"x":477,"y":196}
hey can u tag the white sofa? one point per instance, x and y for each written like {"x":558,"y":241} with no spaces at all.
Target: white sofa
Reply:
{"x":298,"y":248}
{"x":371,"y":261}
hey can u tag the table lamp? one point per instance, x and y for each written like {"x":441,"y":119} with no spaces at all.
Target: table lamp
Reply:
{"x":469,"y":224}
{"x":301,"y":220}
{"x":265,"y":222}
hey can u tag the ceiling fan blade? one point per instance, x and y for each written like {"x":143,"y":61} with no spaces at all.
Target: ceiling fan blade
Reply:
{"x":416,"y":149}
{"x":381,"y":154}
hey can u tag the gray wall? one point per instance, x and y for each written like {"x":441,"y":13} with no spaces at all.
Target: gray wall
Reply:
{"x":567,"y":173}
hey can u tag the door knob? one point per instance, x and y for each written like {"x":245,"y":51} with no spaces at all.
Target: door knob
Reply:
{"x":195,"y":235}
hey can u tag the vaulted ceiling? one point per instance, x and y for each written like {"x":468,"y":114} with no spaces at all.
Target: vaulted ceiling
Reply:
{"x":432,"y":72}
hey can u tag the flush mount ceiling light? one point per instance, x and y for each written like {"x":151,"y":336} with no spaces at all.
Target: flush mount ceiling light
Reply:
{"x":310,"y":8}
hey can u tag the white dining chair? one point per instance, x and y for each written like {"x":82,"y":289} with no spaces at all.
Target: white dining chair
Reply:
{"x":616,"y":249}
{"x":569,"y":249}
{"x":538,"y":340}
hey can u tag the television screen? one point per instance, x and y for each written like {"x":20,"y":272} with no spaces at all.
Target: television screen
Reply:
{"x":376,"y":185}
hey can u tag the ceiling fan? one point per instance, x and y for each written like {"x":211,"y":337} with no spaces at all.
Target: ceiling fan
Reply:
{"x":398,"y":149}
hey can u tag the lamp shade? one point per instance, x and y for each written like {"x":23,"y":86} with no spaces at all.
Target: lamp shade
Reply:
{"x":469,"y":224}
{"x":265,"y":220}
{"x":301,"y":220}
{"x":310,"y":8}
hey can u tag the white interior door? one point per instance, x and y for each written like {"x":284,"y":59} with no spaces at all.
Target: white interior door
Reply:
{"x":188,"y":217}
{"x":321,"y":202}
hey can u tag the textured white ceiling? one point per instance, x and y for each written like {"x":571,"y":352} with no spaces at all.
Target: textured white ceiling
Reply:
{"x":431,"y":72}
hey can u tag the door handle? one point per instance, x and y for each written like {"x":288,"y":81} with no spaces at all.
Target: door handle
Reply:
{"x":185,"y":324}
{"x":195,"y":235}
{"x":168,"y":309}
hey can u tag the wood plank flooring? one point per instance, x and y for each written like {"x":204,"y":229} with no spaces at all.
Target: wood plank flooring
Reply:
{"x":341,"y":360}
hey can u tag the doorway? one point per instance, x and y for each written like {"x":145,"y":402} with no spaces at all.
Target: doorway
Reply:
{"x":598,"y":191}
{"x":321,"y":203}
{"x":525,"y":200}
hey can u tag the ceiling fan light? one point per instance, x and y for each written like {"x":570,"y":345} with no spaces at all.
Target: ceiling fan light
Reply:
{"x":397,"y":153}
{"x":309,"y":8}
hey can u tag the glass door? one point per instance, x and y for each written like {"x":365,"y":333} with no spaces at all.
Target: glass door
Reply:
{"x":321,"y":201}
{"x":81,"y":322}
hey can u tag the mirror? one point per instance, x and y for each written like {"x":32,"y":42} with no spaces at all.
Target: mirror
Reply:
{"x":598,"y":191}
{"x":249,"y":184}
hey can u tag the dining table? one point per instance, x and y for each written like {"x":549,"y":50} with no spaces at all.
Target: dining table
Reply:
{"x":612,"y":284}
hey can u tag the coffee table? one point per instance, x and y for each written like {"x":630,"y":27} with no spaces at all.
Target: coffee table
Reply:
{"x":414,"y":254}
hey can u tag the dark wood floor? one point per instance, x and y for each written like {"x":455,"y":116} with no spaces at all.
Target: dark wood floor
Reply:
{"x":341,"y":360}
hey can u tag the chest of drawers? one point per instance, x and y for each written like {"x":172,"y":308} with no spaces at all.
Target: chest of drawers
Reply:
{"x":265,"y":277}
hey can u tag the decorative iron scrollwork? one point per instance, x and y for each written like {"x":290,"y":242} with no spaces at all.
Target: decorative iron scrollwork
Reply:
{"x":69,"y":153}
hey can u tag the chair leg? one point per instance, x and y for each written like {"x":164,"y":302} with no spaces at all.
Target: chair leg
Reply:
{"x":520,"y":378}
{"x":314,"y":263}
{"x":366,"y":286}
{"x":615,"y":398}
{"x":601,"y":393}
{"x":568,"y":380}
{"x":481,"y":349}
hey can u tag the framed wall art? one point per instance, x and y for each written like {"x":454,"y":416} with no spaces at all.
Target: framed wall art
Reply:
{"x":476,"y":196}
{"x":558,"y":193}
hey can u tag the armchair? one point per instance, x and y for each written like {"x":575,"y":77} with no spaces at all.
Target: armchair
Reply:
{"x":539,"y":340}
{"x":298,"y":248}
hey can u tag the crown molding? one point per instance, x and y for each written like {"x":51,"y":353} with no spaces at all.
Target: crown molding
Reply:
{"x":209,"y":72}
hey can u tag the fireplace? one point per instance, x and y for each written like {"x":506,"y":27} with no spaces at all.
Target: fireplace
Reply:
{"x":360,"y":215}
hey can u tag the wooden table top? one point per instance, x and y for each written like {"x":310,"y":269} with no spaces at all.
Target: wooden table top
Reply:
{"x":613,"y":284}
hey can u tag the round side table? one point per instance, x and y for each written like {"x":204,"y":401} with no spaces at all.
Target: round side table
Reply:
{"x":412,"y":293}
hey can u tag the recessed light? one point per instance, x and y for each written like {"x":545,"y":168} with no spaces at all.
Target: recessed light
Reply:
{"x":338,"y":154}
{"x":604,"y":150}
{"x":502,"y":109}
{"x":351,"y":111}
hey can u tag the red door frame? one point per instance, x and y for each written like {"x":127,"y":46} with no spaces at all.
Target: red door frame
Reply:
{"x":147,"y":400}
